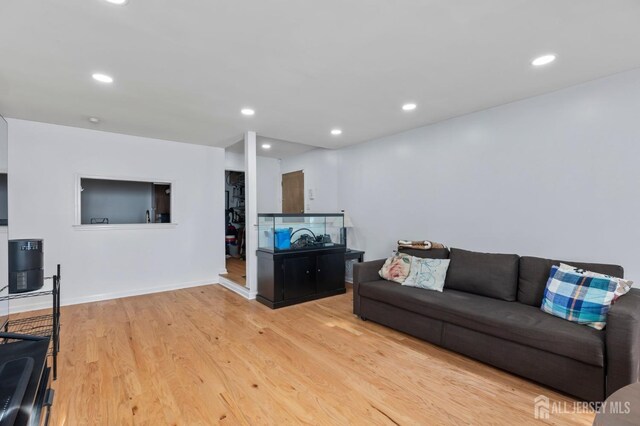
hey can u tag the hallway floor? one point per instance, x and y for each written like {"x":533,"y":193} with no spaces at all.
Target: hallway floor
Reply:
{"x":236,"y":271}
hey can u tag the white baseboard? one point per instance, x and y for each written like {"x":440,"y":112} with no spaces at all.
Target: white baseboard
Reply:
{"x":45,"y":302}
{"x":236,"y":288}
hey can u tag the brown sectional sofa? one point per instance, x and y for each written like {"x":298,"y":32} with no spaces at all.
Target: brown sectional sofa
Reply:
{"x":490,"y":310}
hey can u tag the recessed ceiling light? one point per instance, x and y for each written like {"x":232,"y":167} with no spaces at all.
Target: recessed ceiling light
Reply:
{"x":94,"y":120}
{"x":247,"y":111}
{"x":543,"y":60}
{"x":266,"y":146}
{"x":409,"y":107}
{"x":336,"y":132}
{"x":102,"y":78}
{"x":118,"y":2}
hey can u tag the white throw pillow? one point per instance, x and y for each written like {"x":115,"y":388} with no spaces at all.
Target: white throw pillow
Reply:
{"x":427,"y":273}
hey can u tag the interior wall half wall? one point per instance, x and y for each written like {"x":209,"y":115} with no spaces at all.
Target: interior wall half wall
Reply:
{"x":44,"y":163}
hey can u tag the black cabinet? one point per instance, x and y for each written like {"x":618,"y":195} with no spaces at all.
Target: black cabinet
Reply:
{"x":330,"y":271}
{"x":298,"y":277}
{"x":289,"y":278}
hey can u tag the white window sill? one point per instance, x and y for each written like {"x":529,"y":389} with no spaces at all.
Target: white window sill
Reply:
{"x":124,"y":227}
{"x":3,"y":229}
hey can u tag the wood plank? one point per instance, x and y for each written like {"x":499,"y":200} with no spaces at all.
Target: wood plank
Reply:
{"x":236,"y":271}
{"x":205,"y":355}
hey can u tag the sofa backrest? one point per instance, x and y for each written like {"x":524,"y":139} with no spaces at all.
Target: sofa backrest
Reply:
{"x":534,"y":273}
{"x":485,"y":274}
{"x":426,"y":254}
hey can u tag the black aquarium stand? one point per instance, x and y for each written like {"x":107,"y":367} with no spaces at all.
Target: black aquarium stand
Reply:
{"x":43,"y":326}
{"x":287,"y":278}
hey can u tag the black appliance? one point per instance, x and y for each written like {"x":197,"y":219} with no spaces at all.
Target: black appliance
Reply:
{"x":26,"y":265}
{"x":14,"y":378}
{"x":25,"y":393}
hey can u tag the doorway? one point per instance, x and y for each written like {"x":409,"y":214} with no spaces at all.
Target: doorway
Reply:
{"x":293,"y":192}
{"x":235,"y":235}
{"x":161,"y":203}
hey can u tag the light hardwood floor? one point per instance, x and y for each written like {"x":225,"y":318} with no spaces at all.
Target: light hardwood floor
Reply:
{"x":204,"y":356}
{"x":236,"y":271}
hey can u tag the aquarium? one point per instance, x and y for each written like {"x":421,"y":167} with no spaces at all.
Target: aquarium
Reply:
{"x":278,"y":232}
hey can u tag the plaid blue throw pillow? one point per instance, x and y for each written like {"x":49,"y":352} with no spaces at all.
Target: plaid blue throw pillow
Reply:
{"x":579,"y":298}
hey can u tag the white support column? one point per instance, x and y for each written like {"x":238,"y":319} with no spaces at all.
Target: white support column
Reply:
{"x":251,"y":211}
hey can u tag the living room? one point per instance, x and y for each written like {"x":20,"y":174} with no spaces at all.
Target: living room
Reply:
{"x":498,"y":138}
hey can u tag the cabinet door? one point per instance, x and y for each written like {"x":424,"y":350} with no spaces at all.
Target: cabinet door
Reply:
{"x":330,"y":272}
{"x":299,"y":277}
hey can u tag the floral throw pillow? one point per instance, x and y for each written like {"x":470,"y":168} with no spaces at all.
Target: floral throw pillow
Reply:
{"x":427,"y":273}
{"x":396,"y":268}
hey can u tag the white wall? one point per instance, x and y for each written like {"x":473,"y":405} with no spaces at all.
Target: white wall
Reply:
{"x":44,"y":160}
{"x":269,"y":180}
{"x":553,"y":176}
{"x":233,"y":161}
{"x":320,"y":168}
{"x":269,"y":185}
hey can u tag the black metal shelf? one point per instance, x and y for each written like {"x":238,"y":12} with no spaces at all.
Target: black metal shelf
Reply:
{"x":24,"y":295}
{"x":38,"y":326}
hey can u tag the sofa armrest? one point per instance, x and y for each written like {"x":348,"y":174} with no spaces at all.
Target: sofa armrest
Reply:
{"x":623,"y":342}
{"x":363,"y":272}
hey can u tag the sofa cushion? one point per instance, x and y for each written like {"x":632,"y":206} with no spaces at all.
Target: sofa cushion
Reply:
{"x":485,"y":274}
{"x":511,"y":321}
{"x":534,"y":273}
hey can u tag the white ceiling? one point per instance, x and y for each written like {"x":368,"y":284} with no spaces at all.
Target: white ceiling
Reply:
{"x":278,"y":148}
{"x":184,"y":69}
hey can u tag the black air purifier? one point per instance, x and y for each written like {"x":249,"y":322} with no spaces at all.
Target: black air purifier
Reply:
{"x":26,"y":265}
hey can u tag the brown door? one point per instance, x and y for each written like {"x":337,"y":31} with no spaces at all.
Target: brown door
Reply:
{"x":293,"y":192}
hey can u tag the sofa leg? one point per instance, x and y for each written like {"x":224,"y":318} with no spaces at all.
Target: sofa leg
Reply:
{"x":362,"y":318}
